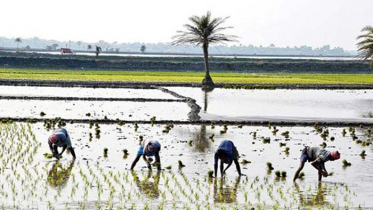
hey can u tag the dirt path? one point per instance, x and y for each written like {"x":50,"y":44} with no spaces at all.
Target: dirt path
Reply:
{"x":152,"y":85}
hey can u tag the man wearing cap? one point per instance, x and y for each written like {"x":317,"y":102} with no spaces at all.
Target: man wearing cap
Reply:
{"x":317,"y":156}
{"x":148,"y":148}
{"x":60,"y":138}
{"x":227,"y":153}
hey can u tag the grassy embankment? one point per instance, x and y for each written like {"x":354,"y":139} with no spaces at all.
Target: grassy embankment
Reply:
{"x":184,"y":77}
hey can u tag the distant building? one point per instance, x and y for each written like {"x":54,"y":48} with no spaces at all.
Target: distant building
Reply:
{"x":66,"y":51}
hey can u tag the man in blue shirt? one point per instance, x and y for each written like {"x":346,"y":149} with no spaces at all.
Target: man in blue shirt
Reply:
{"x":227,"y":153}
{"x":148,"y":148}
{"x":60,"y":138}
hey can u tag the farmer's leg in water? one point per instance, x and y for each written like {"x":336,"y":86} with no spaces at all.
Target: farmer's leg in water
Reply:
{"x":157,"y":160}
{"x":301,"y":165}
{"x":72,"y":151}
{"x":221,"y":168}
{"x":237,"y":166}
{"x":135,"y":161}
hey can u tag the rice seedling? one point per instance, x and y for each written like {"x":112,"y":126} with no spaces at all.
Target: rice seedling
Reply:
{"x":244,"y":161}
{"x":168,"y":167}
{"x":282,"y":144}
{"x":301,"y":175}
{"x":363,"y":154}
{"x":180,"y":164}
{"x":106,"y":152}
{"x":269,"y":166}
{"x":283,"y":174}
{"x":152,"y":120}
{"x":266,"y":140}
{"x":42,"y":114}
{"x":278,"y":173}
{"x":346,"y":163}
{"x":210,"y":173}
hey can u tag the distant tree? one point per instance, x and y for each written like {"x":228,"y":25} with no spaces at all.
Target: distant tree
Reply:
{"x":143,"y":48}
{"x":204,"y":31}
{"x":98,"y":50}
{"x":54,"y":46}
{"x":89,"y":47}
{"x":49,"y":48}
{"x":79,"y":43}
{"x":18,"y":40}
{"x":365,"y":46}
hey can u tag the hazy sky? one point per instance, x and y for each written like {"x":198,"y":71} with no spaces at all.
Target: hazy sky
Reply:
{"x":258,"y":22}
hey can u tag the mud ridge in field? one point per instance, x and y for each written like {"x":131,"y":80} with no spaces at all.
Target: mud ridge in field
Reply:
{"x":195,"y":122}
{"x":195,"y":108}
{"x":48,"y":98}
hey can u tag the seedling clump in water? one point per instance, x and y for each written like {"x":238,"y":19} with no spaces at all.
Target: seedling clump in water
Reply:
{"x":269,"y":166}
{"x":278,"y":173}
{"x":42,"y":114}
{"x":301,"y":175}
{"x":346,"y":163}
{"x":210,"y":173}
{"x":244,"y":161}
{"x":180,"y":164}
{"x":106,"y":152}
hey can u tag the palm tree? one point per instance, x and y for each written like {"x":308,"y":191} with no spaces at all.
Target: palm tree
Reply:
{"x":18,"y":40}
{"x":365,"y":46}
{"x":98,"y":50}
{"x":204,"y":31}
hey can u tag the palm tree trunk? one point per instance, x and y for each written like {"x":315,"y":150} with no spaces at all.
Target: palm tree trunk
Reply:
{"x":207,"y":81}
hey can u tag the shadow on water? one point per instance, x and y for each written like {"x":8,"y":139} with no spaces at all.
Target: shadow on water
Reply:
{"x":313,"y":197}
{"x":224,"y":193}
{"x":200,"y":139}
{"x":147,"y":186}
{"x":59,"y":174}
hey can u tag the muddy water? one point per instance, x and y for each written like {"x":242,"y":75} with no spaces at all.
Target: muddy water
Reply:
{"x":95,"y":181}
{"x":302,"y":105}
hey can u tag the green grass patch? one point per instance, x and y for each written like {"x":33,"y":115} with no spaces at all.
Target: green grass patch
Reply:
{"x":193,"y":77}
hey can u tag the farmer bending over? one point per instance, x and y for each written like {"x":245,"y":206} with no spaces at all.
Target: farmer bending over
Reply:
{"x":317,"y":156}
{"x":60,"y":138}
{"x":148,"y":148}
{"x":227,"y":153}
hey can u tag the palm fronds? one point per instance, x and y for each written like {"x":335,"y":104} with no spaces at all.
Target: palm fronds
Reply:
{"x":365,"y":46}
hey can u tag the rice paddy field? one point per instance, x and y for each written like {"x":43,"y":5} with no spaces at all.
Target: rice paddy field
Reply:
{"x":184,"y":77}
{"x":269,"y":154}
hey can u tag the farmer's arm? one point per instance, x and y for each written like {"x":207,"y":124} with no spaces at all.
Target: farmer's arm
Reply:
{"x":51,"y":147}
{"x":158,"y":160}
{"x":324,"y":171}
{"x":146,"y":161}
{"x":318,"y":166}
{"x":298,"y":171}
{"x":135,"y":161}
{"x":237,"y":166}
{"x":229,"y":165}
{"x":63,"y":149}
{"x":216,"y":164}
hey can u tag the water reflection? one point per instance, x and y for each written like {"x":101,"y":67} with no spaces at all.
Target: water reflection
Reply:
{"x":59,"y":174}
{"x":206,"y":90}
{"x":200,"y":140}
{"x":224,"y":193}
{"x":146,"y":186}
{"x":309,"y":197}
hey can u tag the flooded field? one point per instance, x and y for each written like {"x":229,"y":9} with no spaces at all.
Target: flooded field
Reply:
{"x":282,"y":104}
{"x":98,"y":181}
{"x":95,"y":181}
